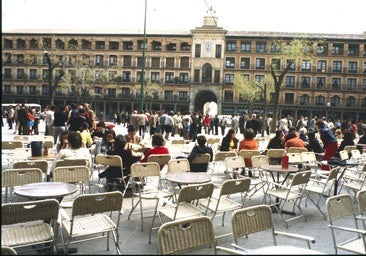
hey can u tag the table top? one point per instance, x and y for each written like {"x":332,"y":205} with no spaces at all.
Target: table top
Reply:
{"x":49,"y":157}
{"x":43,"y":190}
{"x":284,"y":249}
{"x":278,"y":168}
{"x":188,"y":177}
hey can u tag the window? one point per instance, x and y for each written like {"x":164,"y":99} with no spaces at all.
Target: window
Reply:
{"x":322,"y":49}
{"x":245,"y":63}
{"x":292,"y":65}
{"x":139,"y":76}
{"x":182,"y":95}
{"x":125,"y":92}
{"x":85,"y":59}
{"x":33,"y":44}
{"x":337,"y":66}
{"x":364,"y":67}
{"x":112,"y":76}
{"x":112,"y":60}
{"x":98,"y":75}
{"x":85,"y":45}
{"x":112,"y":92}
{"x":139,"y":61}
{"x":245,"y":47}
{"x":197,"y":51}
{"x":72,"y":60}
{"x":363,"y":103}
{"x":229,"y":79}
{"x":20,"y":89}
{"x":184,"y":62}
{"x":156,"y":46}
{"x":155,"y":62}
{"x":20,"y":73}
{"x":7,"y":89}
{"x":60,"y":44}
{"x":218,"y":51}
{"x":7,"y":73}
{"x":351,"y":84}
{"x":259,"y":78}
{"x":207,"y":73}
{"x":113,"y":45}
{"x":73,"y":44}
{"x":230,"y":62}
{"x":275,"y":48}
{"x":335,"y":101}
{"x":183,"y":78}
{"x":305,"y":82}
{"x":260,"y":63}
{"x":337,"y":49}
{"x":290,"y":82}
{"x":320,"y":82}
{"x":230,"y":47}
{"x":351,"y":102}
{"x":260,"y":47}
{"x":217,"y":76}
{"x":168,"y":95}
{"x":304,"y":99}
{"x":171,"y":47}
{"x":155,"y":77}
{"x":98,"y":90}
{"x":169,"y":77}
{"x":99,"y":45}
{"x":33,"y":74}
{"x":185,"y":47}
{"x":353,"y":49}
{"x":320,"y":100}
{"x":128,"y":45}
{"x":363,"y":84}
{"x":99,"y":60}
{"x":8,"y":44}
{"x":140,"y":44}
{"x":169,"y":62}
{"x":44,"y":74}
{"x":228,"y":96}
{"x":44,"y":89}
{"x":32,"y":90}
{"x":126,"y":76}
{"x":20,"y":44}
{"x":8,"y":58}
{"x":276,"y":63}
{"x":47,"y":42}
{"x":20,"y":59}
{"x":305,"y":65}
{"x":321,"y":66}
{"x":127,"y":61}
{"x":336,"y":83}
{"x":352,"y":67}
{"x":196,"y":75}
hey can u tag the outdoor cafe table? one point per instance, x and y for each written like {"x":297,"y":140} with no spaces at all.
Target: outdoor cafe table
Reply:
{"x":277,"y":168}
{"x":46,"y":190}
{"x":188,"y":177}
{"x":283,"y":250}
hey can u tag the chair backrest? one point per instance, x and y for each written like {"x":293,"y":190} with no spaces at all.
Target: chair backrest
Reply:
{"x":333,"y":174}
{"x":71,"y":162}
{"x":11,"y":144}
{"x":235,"y":186}
{"x":258,"y":161}
{"x":361,"y":201}
{"x":44,"y":137}
{"x":41,"y":164}
{"x":343,"y":154}
{"x":308,"y":157}
{"x":22,"y":137}
{"x":275,"y":153}
{"x":177,"y":141}
{"x":179,"y":235}
{"x":234,"y":162}
{"x":356,"y":154}
{"x":72,"y":174}
{"x":178,"y":165}
{"x":21,"y":154}
{"x":195,"y":192}
{"x":97,"y":203}
{"x":349,"y":148}
{"x":202,"y":159}
{"x":161,"y":159}
{"x":48,"y":144}
{"x":221,"y":155}
{"x":19,"y":177}
{"x":247,"y":155}
{"x":110,"y":160}
{"x":148,"y":169}
{"x":13,"y":213}
{"x":339,"y":206}
{"x":6,"y":250}
{"x":300,"y":178}
{"x":251,"y":220}
{"x":294,"y":158}
{"x":296,"y":150}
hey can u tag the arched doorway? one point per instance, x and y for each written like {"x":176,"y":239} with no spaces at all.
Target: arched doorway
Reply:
{"x":202,"y":98}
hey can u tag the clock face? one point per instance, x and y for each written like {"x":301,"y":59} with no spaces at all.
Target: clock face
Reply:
{"x":208,"y":46}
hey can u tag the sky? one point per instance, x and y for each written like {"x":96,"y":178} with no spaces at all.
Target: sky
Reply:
{"x":310,"y":16}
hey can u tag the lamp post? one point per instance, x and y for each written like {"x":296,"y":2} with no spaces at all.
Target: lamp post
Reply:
{"x":143,"y":64}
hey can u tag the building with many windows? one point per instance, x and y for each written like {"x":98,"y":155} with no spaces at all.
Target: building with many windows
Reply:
{"x":191,"y":69}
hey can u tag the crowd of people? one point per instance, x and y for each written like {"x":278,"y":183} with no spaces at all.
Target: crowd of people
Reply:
{"x":76,"y":128}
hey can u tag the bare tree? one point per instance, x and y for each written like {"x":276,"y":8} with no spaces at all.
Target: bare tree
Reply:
{"x":150,"y":90}
{"x":54,"y":78}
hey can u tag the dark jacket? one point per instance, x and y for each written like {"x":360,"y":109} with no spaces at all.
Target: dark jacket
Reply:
{"x":199,"y":150}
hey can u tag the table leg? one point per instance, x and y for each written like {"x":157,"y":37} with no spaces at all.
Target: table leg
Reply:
{"x":337,"y":180}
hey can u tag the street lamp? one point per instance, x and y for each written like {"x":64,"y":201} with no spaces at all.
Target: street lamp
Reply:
{"x":143,"y":64}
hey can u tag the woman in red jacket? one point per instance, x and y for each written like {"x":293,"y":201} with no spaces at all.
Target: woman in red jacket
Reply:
{"x":158,"y":144}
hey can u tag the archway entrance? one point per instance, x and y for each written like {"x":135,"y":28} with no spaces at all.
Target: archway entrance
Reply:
{"x":205,"y":101}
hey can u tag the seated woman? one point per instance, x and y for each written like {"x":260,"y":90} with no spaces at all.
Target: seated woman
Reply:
{"x":158,"y":147}
{"x":347,"y":141}
{"x":112,"y":172}
{"x":229,"y":142}
{"x":74,"y":151}
{"x":63,"y":142}
{"x":105,"y":144}
{"x":248,"y":143}
{"x":201,"y":148}
{"x":85,"y":135}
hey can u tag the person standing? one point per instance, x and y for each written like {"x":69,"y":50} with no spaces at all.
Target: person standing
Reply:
{"x":50,"y":110}
{"x":59,"y":122}
{"x":329,"y":140}
{"x":23,"y":121}
{"x":10,"y":117}
{"x":235,"y":123}
{"x":207,"y":123}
